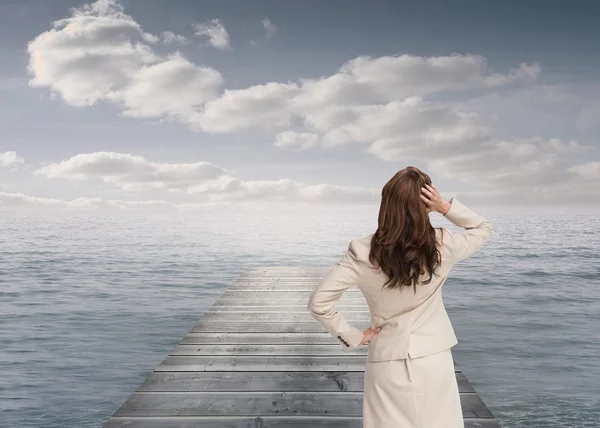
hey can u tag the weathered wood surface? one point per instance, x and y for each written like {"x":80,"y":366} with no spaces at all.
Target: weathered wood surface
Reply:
{"x":257,"y":359}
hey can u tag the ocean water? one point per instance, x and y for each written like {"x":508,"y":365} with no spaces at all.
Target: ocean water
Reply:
{"x":91,"y":302}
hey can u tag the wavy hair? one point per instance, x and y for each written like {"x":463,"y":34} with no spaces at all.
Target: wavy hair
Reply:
{"x":404,"y":244}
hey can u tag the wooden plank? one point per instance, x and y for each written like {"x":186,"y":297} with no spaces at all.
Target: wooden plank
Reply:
{"x":255,"y":300}
{"x":351,"y":362}
{"x":264,"y":381}
{"x":285,"y":270}
{"x":261,"y":403}
{"x":254,"y":381}
{"x":281,"y":275}
{"x":263,"y":338}
{"x":307,"y":350}
{"x":282,"y":288}
{"x":255,"y":288}
{"x":295,"y":279}
{"x":286,"y":294}
{"x":236,"y":422}
{"x":463,"y":383}
{"x":267,"y":327}
{"x":260,"y":422}
{"x":287,"y":278}
{"x":359,"y":309}
{"x":276,"y":317}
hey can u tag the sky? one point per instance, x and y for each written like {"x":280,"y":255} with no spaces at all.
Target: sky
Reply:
{"x":184,"y":104}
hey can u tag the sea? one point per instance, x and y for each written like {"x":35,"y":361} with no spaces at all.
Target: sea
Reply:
{"x":91,"y":301}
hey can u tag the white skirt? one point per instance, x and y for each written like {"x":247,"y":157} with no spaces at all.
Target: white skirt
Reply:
{"x":412,"y":393}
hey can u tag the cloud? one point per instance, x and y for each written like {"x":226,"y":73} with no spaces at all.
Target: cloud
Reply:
{"x":170,"y":38}
{"x":266,"y":106}
{"x":587,"y":171}
{"x":21,"y":200}
{"x":16,"y":200}
{"x":129,"y":172}
{"x":515,"y":163}
{"x":364,"y":81}
{"x":412,"y":128}
{"x":8,"y":159}
{"x":172,"y":88}
{"x":217,"y":35}
{"x":308,"y":198}
{"x":99,"y":53}
{"x":269,"y":27}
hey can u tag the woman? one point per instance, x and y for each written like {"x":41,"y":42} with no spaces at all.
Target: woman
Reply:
{"x":409,"y":379}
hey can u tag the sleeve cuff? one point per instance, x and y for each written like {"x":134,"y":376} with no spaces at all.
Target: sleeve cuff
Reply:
{"x":451,"y":202}
{"x":351,"y":339}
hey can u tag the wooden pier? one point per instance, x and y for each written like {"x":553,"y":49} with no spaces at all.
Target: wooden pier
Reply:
{"x":257,"y":359}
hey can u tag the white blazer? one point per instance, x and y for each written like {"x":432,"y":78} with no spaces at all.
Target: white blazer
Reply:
{"x":412,"y":325}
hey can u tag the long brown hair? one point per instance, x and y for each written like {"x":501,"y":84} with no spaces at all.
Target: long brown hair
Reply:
{"x":404,"y":244}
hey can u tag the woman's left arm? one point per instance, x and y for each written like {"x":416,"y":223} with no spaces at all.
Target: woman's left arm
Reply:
{"x":321,"y":302}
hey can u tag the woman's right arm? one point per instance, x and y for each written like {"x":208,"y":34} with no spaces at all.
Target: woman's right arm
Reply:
{"x":478,"y":230}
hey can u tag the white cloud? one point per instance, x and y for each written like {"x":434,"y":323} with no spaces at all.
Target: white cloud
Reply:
{"x":286,"y":190}
{"x":172,"y":88}
{"x":19,"y":200}
{"x":587,"y":171}
{"x":265,"y":106}
{"x":8,"y":159}
{"x":217,"y":35}
{"x":99,"y":53}
{"x":293,"y":196}
{"x":170,"y":38}
{"x":364,"y":81}
{"x":511,"y":163}
{"x":412,"y":128}
{"x":269,"y":27}
{"x":129,"y":172}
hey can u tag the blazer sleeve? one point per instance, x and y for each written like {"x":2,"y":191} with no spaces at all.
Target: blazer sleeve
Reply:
{"x":477,"y":230}
{"x":321,"y":303}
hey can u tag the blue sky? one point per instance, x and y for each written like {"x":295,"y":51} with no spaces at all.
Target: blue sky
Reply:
{"x":153,"y":103}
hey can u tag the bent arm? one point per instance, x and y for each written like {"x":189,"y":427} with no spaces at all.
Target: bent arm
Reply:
{"x":478,"y":230}
{"x":321,"y":302}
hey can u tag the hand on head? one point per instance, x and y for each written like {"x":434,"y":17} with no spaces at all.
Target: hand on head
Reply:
{"x":433,"y":200}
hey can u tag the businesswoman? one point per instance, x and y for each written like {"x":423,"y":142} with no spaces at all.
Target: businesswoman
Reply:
{"x":409,"y":379}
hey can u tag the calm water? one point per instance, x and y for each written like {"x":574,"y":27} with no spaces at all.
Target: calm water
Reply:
{"x":90,"y":303}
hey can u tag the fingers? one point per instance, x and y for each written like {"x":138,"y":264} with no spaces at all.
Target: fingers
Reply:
{"x":433,"y":189}
{"x":427,"y":199}
{"x":430,"y":190}
{"x":373,"y":331}
{"x":369,"y":333}
{"x":428,"y":202}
